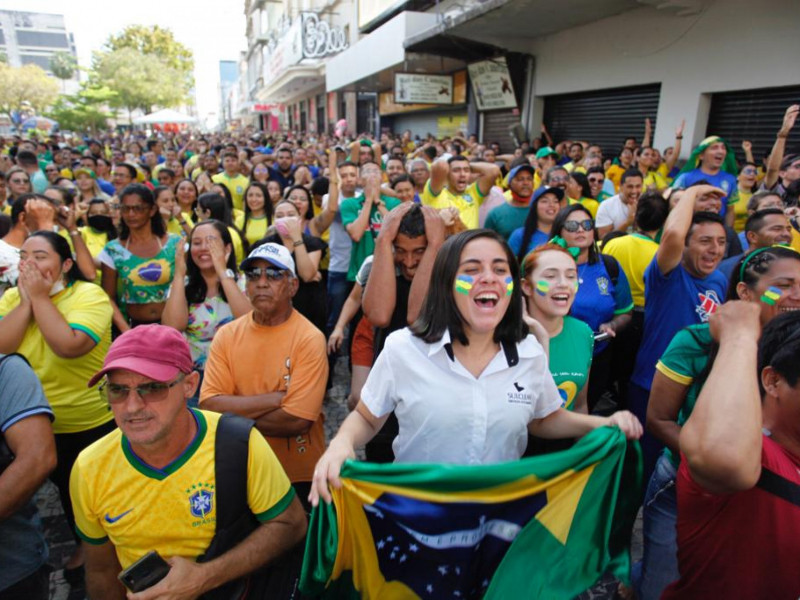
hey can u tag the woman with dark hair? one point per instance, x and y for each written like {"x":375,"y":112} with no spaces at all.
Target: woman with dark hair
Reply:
{"x":138,"y":267}
{"x":257,"y":212}
{"x":260,"y":173}
{"x":98,"y":231}
{"x":17,"y":183}
{"x":307,"y":250}
{"x":62,"y":325}
{"x":603,"y":300}
{"x":205,"y":292}
{"x":545,"y":204}
{"x":580,"y":192}
{"x":170,"y":211}
{"x":622,"y":163}
{"x":769,"y":276}
{"x":403,"y":186}
{"x":237,"y":215}
{"x":186,"y":195}
{"x":275,"y":191}
{"x":470,"y":335}
{"x":300,"y":196}
{"x":214,"y":206}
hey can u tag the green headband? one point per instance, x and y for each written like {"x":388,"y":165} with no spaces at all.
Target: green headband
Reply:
{"x":561,"y":242}
{"x":749,"y":257}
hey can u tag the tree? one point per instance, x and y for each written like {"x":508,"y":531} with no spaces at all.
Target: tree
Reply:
{"x":84,"y":110}
{"x":139,"y":80}
{"x":28,"y":84}
{"x":160,"y":42}
{"x":63,"y":66}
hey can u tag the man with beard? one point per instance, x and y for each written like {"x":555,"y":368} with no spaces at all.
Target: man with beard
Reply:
{"x":507,"y":217}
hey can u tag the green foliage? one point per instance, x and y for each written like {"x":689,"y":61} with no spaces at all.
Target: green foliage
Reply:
{"x":140,"y":80}
{"x":63,"y":65}
{"x":29,"y":84}
{"x":157,"y":42}
{"x":84,"y":110}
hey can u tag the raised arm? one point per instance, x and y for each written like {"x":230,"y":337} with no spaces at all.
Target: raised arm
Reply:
{"x":676,"y":149}
{"x":358,"y":228}
{"x":487,"y":176}
{"x":776,"y":156}
{"x":323,"y":220}
{"x":176,"y":309}
{"x":440,"y":170}
{"x":722,"y":438}
{"x":435,"y":234}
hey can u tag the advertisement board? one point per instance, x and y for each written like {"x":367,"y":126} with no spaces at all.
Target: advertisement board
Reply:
{"x":423,"y":88}
{"x":491,"y":84}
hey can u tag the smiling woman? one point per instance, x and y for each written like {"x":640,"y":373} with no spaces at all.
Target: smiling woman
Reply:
{"x":468,"y":342}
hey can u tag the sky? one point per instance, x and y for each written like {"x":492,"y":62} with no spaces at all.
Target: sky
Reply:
{"x":213,"y":29}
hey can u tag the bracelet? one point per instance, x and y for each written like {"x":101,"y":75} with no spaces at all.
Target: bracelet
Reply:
{"x":678,"y":137}
{"x":75,"y":232}
{"x":298,"y":243}
{"x":783,"y":136}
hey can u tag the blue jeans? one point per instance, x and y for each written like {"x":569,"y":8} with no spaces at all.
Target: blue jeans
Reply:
{"x":338,"y":290}
{"x":659,"y":566}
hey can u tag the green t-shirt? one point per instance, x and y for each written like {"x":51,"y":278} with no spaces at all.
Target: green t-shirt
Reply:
{"x":350,"y":209}
{"x":571,"y":358}
{"x":504,"y":219}
{"x":685,"y":361}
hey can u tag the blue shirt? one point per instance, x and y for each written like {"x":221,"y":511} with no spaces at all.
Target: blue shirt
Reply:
{"x":599,"y":299}
{"x":23,"y":549}
{"x":537,"y":239}
{"x":106,"y":187}
{"x":727,"y":266}
{"x":672,"y":302}
{"x":724,"y":181}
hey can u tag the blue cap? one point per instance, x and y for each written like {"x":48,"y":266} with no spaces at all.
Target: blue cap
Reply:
{"x":557,"y":192}
{"x":517,"y":169}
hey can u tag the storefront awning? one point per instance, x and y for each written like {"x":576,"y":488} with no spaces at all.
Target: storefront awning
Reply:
{"x":294,"y":82}
{"x":510,"y":24}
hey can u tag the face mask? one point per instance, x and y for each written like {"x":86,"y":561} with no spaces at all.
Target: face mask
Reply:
{"x":57,"y":287}
{"x":100,"y":222}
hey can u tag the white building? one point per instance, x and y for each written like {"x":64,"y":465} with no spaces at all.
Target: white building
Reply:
{"x":589,"y":69}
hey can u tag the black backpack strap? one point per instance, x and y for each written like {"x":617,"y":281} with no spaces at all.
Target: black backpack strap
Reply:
{"x":612,"y":267}
{"x":231,"y":452}
{"x":778,"y":485}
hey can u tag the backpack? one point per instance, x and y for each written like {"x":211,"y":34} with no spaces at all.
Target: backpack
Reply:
{"x":235,"y":521}
{"x":6,"y":455}
{"x":612,"y":267}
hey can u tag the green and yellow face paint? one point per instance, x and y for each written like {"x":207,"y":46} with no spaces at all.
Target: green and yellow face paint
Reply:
{"x":463,"y":284}
{"x":771,"y":296}
{"x":509,"y":285}
{"x":542,"y":287}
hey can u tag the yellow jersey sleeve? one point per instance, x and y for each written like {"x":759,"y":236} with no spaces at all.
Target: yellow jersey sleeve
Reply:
{"x":269,"y":492}
{"x":9,"y":301}
{"x":90,"y":310}
{"x":427,"y":196}
{"x":87,"y":521}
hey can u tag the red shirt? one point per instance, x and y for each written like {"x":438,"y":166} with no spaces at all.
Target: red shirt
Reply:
{"x":740,"y":545}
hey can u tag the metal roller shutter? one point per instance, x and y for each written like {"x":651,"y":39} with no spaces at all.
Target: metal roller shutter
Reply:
{"x":754,"y":115}
{"x":497,"y":125}
{"x":424,"y":122}
{"x":604,"y":117}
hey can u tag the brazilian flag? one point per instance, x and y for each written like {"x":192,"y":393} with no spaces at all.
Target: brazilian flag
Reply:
{"x":542,"y":527}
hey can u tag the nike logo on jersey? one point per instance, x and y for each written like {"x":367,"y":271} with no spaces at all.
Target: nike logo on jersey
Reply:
{"x":112,"y":520}
{"x":518,"y":387}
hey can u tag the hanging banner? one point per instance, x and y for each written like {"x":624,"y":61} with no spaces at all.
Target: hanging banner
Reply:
{"x":491,"y":84}
{"x":420,"y":88}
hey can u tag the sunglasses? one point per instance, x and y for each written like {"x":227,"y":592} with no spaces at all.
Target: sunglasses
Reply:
{"x":750,"y":171}
{"x":148,"y":392}
{"x":19,"y":180}
{"x":573,"y":226}
{"x":255,"y":273}
{"x":136,"y":208}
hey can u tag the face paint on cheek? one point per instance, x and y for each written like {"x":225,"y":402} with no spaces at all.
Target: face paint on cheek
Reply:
{"x":542,"y":287}
{"x":771,"y":296}
{"x":509,"y":285}
{"x":463,"y":284}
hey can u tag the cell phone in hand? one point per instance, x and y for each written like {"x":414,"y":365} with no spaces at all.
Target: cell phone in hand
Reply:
{"x":145,"y":572}
{"x":601,"y":337}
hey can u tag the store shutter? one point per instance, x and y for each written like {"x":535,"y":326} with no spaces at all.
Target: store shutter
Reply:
{"x":497,"y":126}
{"x":754,"y":115}
{"x":604,"y":117}
{"x":423,"y":123}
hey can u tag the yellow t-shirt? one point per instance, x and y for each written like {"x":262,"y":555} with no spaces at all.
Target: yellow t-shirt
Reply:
{"x":86,"y":307}
{"x":256,"y":229}
{"x":467,"y":203}
{"x":174,"y":227}
{"x":236,"y":186}
{"x":590,"y":204}
{"x":172,"y":511}
{"x":325,"y":237}
{"x":238,"y":247}
{"x":614,"y":173}
{"x":95,"y":241}
{"x":795,"y":243}
{"x":634,"y":253}
{"x":740,"y":210}
{"x":654,"y":181}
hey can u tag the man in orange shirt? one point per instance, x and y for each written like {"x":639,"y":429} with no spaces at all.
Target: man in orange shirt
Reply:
{"x":271,"y":365}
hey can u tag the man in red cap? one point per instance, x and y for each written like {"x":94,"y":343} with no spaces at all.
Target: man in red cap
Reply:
{"x":151,"y":484}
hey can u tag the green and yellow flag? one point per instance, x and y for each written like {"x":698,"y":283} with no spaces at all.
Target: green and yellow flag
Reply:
{"x":542,"y":527}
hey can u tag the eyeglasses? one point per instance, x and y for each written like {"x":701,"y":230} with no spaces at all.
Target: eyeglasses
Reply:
{"x":573,"y":226}
{"x":148,"y":392}
{"x":255,"y":273}
{"x":750,"y":171}
{"x":559,"y":179}
{"x":136,"y":208}
{"x":50,"y":170}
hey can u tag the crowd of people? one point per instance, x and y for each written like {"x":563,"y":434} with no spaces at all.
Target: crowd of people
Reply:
{"x":151,"y":284}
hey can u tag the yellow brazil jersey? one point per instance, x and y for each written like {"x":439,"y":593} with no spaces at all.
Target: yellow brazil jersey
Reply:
{"x":795,"y":243}
{"x":654,"y":181}
{"x":467,"y":203}
{"x":256,"y":229}
{"x":740,"y":209}
{"x":589,"y":204}
{"x":170,"y":510}
{"x":325,"y":237}
{"x":238,"y":247}
{"x":236,"y":186}
{"x":95,"y":241}
{"x":173,"y":226}
{"x":634,"y":253}
{"x":86,"y":307}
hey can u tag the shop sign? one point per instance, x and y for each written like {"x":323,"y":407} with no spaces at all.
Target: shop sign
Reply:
{"x":320,"y":39}
{"x":422,"y":88}
{"x":491,"y":84}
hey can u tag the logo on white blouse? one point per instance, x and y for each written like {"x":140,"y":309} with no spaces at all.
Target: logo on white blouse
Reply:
{"x":519,"y":396}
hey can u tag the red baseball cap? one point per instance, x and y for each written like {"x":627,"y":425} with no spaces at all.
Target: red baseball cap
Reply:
{"x":155,"y":351}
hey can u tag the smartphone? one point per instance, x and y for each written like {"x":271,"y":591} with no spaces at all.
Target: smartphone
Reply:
{"x":145,"y":572}
{"x":601,"y":337}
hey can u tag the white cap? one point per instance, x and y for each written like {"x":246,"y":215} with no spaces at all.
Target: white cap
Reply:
{"x":275,"y":254}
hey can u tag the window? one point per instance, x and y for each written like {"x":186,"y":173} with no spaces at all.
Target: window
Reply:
{"x":42,"y":39}
{"x":33,"y":59}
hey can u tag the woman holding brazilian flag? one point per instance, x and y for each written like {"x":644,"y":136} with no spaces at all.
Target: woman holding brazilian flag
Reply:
{"x":467,"y":383}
